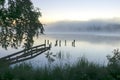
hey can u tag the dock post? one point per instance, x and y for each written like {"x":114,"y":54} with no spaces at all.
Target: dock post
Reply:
{"x":60,"y":43}
{"x":65,"y":42}
{"x":45,"y":42}
{"x":48,"y":42}
{"x":56,"y":43}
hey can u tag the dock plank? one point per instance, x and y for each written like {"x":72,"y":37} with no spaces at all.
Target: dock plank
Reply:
{"x":25,"y":54}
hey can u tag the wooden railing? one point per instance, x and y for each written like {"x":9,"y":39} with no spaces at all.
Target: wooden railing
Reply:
{"x":25,"y":54}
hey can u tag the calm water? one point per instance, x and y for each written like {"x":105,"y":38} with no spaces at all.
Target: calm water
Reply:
{"x":67,"y":48}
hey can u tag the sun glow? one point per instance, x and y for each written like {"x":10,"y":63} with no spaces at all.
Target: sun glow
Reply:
{"x":77,"y":10}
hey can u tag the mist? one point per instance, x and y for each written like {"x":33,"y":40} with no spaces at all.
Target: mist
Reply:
{"x":108,"y":26}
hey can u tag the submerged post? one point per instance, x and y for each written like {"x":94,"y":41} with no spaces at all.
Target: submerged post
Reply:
{"x":73,"y":43}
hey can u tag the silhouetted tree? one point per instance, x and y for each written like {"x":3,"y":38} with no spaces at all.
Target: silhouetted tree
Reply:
{"x":114,"y":64}
{"x":18,"y":21}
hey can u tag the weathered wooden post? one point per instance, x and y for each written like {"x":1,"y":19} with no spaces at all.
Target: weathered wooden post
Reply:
{"x":48,"y":42}
{"x":65,"y":42}
{"x":45,"y":42}
{"x":60,"y":43}
{"x":73,"y":43}
{"x":56,"y":43}
{"x":31,"y":52}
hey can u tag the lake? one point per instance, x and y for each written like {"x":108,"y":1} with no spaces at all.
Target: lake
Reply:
{"x":68,"y":47}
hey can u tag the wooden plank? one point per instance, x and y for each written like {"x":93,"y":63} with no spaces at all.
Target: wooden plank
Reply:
{"x":31,"y":53}
{"x":21,"y":51}
{"x":27,"y":58}
{"x":25,"y":54}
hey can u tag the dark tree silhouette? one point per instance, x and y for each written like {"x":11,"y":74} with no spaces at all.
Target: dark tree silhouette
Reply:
{"x":114,"y":64}
{"x":18,"y":22}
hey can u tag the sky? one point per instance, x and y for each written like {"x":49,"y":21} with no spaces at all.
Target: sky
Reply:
{"x":77,"y":10}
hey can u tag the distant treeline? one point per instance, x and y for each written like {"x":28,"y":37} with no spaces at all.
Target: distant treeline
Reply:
{"x":88,"y":26}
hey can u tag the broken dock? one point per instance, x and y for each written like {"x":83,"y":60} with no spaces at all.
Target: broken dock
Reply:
{"x":25,"y":54}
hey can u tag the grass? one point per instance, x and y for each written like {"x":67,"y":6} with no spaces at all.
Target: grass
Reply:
{"x":81,"y":70}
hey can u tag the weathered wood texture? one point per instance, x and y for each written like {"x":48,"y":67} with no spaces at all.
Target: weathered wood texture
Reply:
{"x":25,"y":54}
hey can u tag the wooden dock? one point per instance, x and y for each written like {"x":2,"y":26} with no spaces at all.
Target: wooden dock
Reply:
{"x":25,"y":54}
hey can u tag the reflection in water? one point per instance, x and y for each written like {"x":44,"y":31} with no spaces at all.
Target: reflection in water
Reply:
{"x":51,"y":57}
{"x":94,"y":48}
{"x":94,"y":38}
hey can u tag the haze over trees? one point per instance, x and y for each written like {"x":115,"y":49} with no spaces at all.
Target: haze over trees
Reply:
{"x":18,"y":22}
{"x":84,"y":26}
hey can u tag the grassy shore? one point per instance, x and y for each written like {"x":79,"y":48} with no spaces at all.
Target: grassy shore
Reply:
{"x":81,"y":70}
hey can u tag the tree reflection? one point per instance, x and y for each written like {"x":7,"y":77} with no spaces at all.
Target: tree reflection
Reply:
{"x":18,"y":23}
{"x":51,"y":57}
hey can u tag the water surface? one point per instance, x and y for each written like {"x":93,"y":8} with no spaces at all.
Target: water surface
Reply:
{"x":67,"y":48}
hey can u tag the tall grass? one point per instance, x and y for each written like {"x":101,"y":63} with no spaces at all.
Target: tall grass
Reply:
{"x":81,"y":70}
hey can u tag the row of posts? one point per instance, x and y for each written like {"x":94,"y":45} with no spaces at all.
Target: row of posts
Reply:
{"x":58,"y":43}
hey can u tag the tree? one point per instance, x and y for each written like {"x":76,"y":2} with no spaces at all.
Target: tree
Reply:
{"x":114,"y":64}
{"x":18,"y":22}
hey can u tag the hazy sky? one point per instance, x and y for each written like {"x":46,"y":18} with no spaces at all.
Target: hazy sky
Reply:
{"x":80,"y":10}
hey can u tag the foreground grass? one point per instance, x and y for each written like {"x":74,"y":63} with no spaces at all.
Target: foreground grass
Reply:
{"x":81,"y":70}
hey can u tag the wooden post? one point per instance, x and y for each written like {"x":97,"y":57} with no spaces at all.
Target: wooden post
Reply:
{"x":60,"y":43}
{"x":65,"y":42}
{"x":45,"y":42}
{"x":56,"y":43}
{"x":73,"y":43}
{"x":48,"y":42}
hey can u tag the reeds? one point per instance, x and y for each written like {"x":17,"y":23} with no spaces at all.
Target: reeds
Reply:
{"x":81,"y":70}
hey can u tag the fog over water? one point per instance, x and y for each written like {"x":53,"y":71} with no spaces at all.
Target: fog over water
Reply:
{"x":71,"y":40}
{"x":93,"y":39}
{"x":85,"y":26}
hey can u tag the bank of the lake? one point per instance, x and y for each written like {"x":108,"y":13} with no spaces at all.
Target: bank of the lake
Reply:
{"x":81,"y":70}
